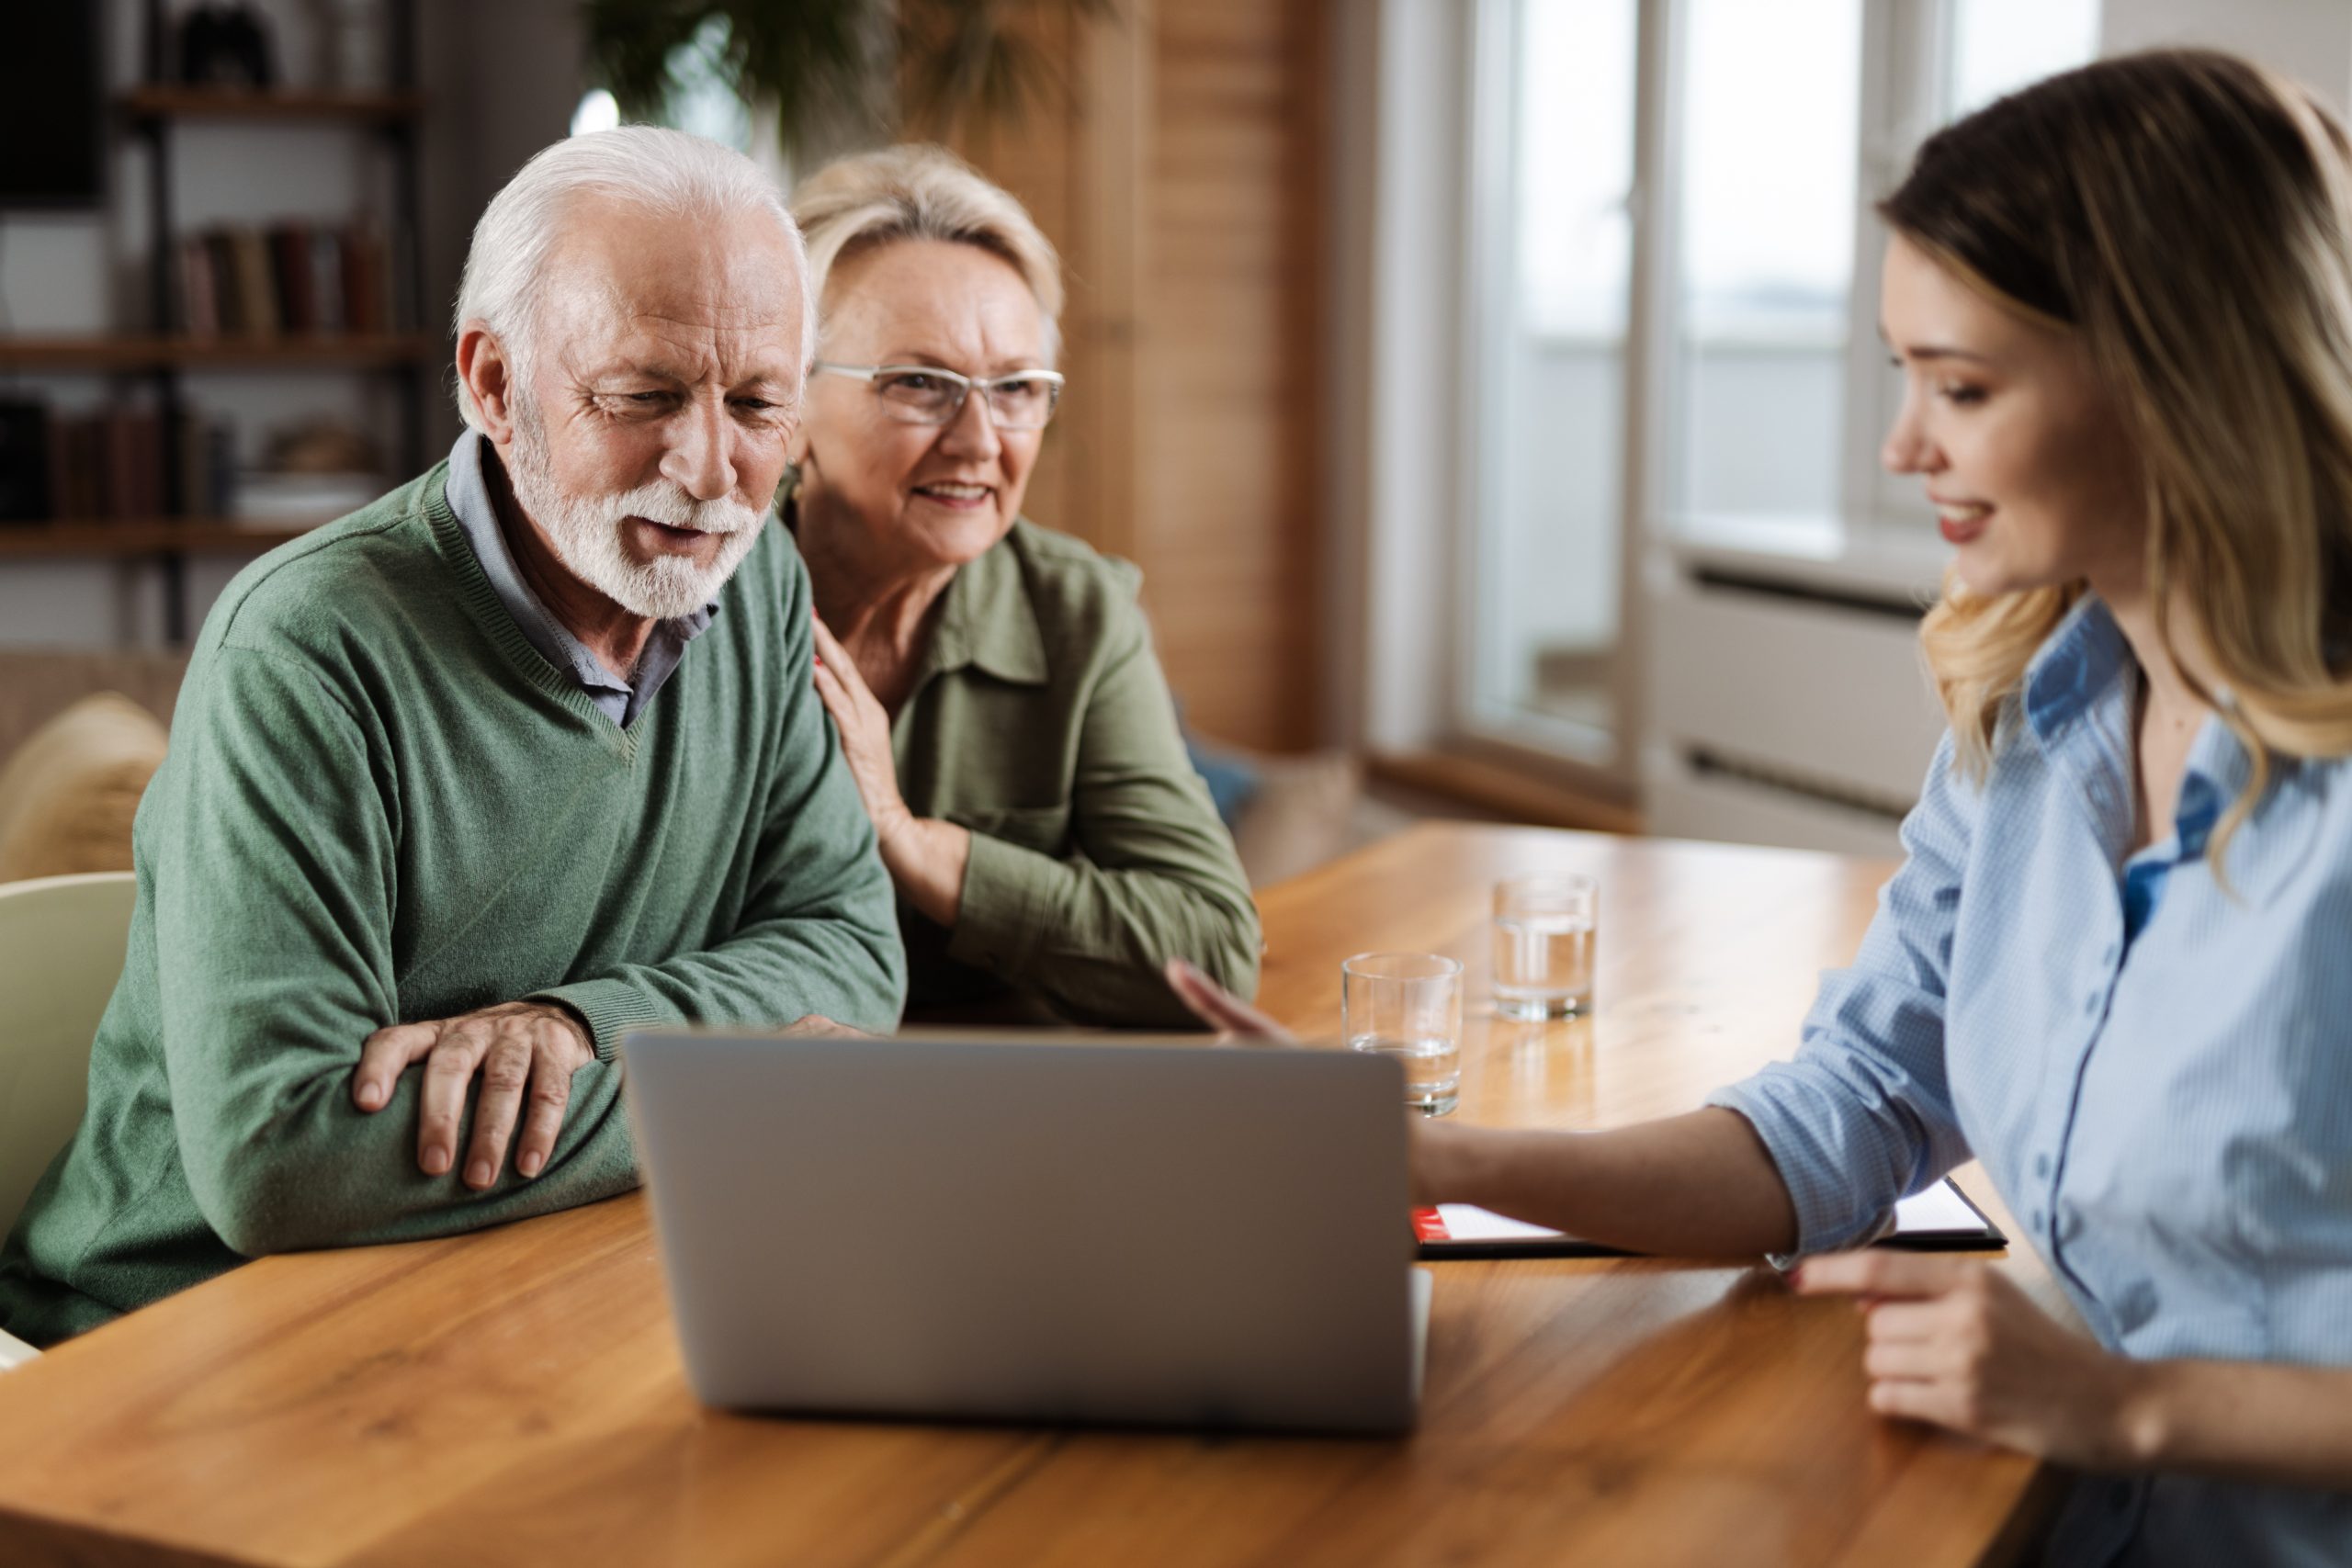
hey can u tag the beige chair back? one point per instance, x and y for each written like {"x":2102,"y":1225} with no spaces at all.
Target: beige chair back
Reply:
{"x":62,"y":941}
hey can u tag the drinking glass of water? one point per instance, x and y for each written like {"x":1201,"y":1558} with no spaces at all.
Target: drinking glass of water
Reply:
{"x":1543,"y":941}
{"x":1409,"y":1006}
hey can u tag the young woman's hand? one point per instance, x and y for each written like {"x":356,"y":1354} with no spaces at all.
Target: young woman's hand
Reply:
{"x":1232,"y":1018}
{"x":1955,"y":1342}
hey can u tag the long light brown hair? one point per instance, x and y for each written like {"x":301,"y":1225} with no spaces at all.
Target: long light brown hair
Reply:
{"x":2188,"y":216}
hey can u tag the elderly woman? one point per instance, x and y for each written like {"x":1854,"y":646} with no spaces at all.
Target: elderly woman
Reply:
{"x":993,"y":682}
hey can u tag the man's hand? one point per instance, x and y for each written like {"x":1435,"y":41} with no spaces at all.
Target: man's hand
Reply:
{"x":519,"y":1048}
{"x":819,"y":1024}
{"x":1957,"y":1344}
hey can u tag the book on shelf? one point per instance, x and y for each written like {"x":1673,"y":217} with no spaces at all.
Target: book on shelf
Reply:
{"x":292,"y":279}
{"x":110,"y":464}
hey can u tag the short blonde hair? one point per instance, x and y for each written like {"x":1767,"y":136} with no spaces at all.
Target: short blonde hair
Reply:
{"x":920,"y":192}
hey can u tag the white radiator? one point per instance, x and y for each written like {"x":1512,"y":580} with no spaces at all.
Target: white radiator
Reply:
{"x":1782,"y":709}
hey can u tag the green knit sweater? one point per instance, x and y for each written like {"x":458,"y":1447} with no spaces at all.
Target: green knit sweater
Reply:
{"x":381,"y":805}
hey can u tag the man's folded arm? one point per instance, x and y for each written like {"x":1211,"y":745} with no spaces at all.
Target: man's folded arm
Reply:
{"x":819,"y":933}
{"x":271,"y":849}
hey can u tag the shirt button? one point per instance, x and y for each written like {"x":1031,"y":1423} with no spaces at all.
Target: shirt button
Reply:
{"x":2042,"y":1164}
{"x":2111,"y":954}
{"x":2034,"y":1219}
{"x":2091,"y":1004}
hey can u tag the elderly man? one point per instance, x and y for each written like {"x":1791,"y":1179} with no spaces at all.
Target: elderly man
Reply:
{"x":467,"y":783}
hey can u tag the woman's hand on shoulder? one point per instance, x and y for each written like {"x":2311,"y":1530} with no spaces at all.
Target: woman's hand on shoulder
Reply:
{"x":1956,"y":1343}
{"x":926,"y":858}
{"x":865,"y":727}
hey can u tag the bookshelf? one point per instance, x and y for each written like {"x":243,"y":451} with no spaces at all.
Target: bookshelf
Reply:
{"x":137,"y":537}
{"x":158,"y":357}
{"x":129,"y":351}
{"x":169,"y":102}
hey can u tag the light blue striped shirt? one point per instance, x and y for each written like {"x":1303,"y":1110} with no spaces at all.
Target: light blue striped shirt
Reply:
{"x":2154,"y":1066}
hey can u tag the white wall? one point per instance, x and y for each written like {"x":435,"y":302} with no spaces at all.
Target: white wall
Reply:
{"x":2307,"y":39}
{"x":500,"y":80}
{"x":1421,"y":64}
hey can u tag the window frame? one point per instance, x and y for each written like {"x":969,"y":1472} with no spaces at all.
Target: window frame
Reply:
{"x":1881,"y":528}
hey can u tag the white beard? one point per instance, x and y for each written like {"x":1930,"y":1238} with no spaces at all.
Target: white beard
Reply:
{"x":585,"y":533}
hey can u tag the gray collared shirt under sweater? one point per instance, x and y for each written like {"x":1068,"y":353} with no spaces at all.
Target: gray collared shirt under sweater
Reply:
{"x":618,"y":700}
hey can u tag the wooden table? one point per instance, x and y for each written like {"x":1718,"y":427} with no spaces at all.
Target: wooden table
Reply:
{"x":515,"y":1396}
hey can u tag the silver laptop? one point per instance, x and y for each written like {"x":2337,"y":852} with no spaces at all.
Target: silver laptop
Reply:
{"x":1147,"y":1233}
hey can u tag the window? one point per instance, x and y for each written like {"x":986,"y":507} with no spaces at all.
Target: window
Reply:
{"x":1998,"y":46}
{"x":1772,"y":129}
{"x":1769,"y":99}
{"x":1552,"y":349}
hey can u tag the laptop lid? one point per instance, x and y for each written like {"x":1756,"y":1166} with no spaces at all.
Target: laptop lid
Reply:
{"x":1145,"y":1233}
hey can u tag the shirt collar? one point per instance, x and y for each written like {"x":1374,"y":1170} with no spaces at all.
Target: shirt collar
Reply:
{"x":2085,"y":666}
{"x":987,"y":620}
{"x":2078,"y":664}
{"x":468,"y":495}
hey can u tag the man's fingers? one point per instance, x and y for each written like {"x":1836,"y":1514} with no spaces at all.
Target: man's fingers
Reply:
{"x":448,"y":1075}
{"x":542,"y":1114}
{"x":1879,"y":1273}
{"x":383,"y":1056}
{"x":505,"y":1074}
{"x":817,"y":1023}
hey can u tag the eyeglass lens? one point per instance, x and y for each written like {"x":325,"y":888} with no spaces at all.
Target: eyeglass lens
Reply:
{"x":1016,"y":402}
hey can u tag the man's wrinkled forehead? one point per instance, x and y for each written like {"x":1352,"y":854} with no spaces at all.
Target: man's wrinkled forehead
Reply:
{"x":618,"y":275}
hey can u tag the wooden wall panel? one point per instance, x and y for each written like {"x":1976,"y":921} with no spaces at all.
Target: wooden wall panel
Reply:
{"x":1181,"y":181}
{"x":1228,"y":451}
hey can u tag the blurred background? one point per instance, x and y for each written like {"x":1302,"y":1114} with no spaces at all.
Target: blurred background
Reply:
{"x":1489,"y":389}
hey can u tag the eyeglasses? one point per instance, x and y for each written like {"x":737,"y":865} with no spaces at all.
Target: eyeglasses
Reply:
{"x":929,"y":394}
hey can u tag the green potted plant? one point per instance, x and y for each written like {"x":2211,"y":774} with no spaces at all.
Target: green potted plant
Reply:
{"x":834,"y":73}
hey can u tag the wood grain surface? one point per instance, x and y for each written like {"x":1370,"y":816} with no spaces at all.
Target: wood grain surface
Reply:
{"x":515,"y":1396}
{"x":1178,"y":176}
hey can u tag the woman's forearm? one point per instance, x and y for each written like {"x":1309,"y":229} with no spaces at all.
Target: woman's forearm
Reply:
{"x":2255,"y":1421}
{"x":1700,"y":1184}
{"x":925,"y":858}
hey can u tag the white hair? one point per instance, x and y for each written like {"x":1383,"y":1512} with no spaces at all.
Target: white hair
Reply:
{"x":924,"y":193}
{"x":666,"y":173}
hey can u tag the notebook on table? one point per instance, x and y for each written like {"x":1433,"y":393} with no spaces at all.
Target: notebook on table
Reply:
{"x":1940,"y":1219}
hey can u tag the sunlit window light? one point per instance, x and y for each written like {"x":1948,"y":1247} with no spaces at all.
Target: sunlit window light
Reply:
{"x":598,"y":110}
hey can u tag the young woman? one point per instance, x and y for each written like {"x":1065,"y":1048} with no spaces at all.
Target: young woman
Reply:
{"x":2117,"y":965}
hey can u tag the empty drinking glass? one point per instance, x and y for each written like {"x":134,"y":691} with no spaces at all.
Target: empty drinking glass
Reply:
{"x":1409,"y":1006}
{"x":1544,"y":928}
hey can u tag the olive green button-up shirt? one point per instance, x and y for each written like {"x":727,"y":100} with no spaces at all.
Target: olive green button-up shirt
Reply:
{"x":1040,"y":720}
